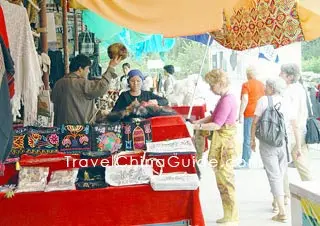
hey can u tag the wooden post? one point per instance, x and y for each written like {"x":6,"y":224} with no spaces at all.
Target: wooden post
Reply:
{"x":65,"y":36}
{"x":76,"y":33}
{"x":44,"y":39}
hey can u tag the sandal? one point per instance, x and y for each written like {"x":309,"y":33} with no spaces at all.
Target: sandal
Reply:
{"x":225,"y":220}
{"x":280,"y":218}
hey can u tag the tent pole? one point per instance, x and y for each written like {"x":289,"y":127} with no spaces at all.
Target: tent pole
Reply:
{"x":44,"y":39}
{"x":76,"y":33}
{"x":65,"y":36}
{"x":199,"y":75}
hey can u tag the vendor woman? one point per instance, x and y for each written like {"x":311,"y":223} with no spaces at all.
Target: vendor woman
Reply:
{"x":135,"y":81}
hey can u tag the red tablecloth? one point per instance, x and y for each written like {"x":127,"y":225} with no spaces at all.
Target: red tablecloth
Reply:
{"x":132,"y":205}
{"x":197,"y":112}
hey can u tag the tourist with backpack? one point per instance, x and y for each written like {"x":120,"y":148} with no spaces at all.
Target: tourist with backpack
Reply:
{"x":269,"y":127}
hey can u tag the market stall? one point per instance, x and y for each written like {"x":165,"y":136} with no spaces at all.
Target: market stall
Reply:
{"x":112,"y":205}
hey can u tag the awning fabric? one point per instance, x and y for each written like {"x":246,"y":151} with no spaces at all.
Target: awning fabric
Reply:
{"x":171,"y":18}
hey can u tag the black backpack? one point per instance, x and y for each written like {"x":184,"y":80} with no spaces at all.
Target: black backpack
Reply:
{"x":271,"y":125}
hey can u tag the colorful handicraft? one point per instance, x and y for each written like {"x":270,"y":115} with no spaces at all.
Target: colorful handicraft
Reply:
{"x":136,"y":135}
{"x":274,"y":22}
{"x":75,"y":138}
{"x":90,"y":178}
{"x":107,"y":137}
{"x":35,"y":141}
{"x":42,"y":140}
{"x":18,"y":144}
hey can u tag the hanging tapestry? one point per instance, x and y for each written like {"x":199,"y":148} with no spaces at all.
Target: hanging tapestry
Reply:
{"x":90,"y":178}
{"x":75,"y":139}
{"x":107,"y":137}
{"x":271,"y":22}
{"x":136,"y":135}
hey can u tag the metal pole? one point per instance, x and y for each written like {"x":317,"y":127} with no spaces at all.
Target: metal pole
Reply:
{"x":76,"y":33}
{"x":44,"y":39}
{"x":65,"y":36}
{"x":201,"y":68}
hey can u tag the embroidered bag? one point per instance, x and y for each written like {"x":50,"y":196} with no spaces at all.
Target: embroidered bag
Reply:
{"x":42,"y":140}
{"x":32,"y":179}
{"x":62,"y":180}
{"x":75,"y":139}
{"x":136,"y":135}
{"x":18,"y":144}
{"x":107,"y":137}
{"x":90,"y":178}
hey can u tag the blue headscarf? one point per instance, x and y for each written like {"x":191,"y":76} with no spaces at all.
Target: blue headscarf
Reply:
{"x":135,"y":72}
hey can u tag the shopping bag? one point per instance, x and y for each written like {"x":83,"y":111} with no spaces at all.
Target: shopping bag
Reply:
{"x":44,"y":103}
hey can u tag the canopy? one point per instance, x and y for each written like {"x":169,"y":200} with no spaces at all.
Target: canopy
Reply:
{"x":171,"y":18}
{"x":236,"y":24}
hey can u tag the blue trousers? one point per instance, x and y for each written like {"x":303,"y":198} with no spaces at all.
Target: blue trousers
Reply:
{"x":246,"y":148}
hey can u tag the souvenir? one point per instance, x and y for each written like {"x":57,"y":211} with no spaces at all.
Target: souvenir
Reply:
{"x":107,"y":137}
{"x":32,"y":179}
{"x":128,"y":174}
{"x":174,"y":182}
{"x":62,"y":180}
{"x":90,"y":178}
{"x":136,"y":135}
{"x":171,"y":147}
{"x":75,"y":139}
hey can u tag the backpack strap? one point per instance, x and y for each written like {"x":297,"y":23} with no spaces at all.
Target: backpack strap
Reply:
{"x":270,"y":101}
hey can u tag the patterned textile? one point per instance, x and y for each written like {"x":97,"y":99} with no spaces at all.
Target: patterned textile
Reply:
{"x":221,"y":155}
{"x":18,"y":145}
{"x":107,"y":137}
{"x":62,"y":180}
{"x":32,"y":179}
{"x":136,"y":135}
{"x":274,"y":22}
{"x":35,"y":141}
{"x":86,"y":43}
{"x":75,"y":138}
{"x":90,"y":178}
{"x":42,"y":140}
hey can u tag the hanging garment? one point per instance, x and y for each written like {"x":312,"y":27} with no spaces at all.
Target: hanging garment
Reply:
{"x":6,"y":134}
{"x":27,"y":68}
{"x":57,"y":66}
{"x":7,"y":56}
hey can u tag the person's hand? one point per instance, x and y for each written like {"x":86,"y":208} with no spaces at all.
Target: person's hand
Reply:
{"x":115,"y":61}
{"x":153,"y":102}
{"x":253,"y":145}
{"x":297,"y":153}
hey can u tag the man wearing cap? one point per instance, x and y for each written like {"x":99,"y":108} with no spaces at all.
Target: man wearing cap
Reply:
{"x":135,"y":81}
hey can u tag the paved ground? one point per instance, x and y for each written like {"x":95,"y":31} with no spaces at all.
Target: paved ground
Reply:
{"x":253,"y":193}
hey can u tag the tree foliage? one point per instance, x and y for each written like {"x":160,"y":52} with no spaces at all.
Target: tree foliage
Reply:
{"x":311,"y":56}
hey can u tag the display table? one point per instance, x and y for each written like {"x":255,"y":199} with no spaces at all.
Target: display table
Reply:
{"x":305,"y":203}
{"x":126,"y":205}
{"x":197,"y":112}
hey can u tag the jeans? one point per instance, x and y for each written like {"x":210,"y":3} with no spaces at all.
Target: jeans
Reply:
{"x":246,"y":147}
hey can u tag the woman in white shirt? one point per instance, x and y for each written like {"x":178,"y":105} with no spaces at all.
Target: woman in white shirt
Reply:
{"x":274,"y":158}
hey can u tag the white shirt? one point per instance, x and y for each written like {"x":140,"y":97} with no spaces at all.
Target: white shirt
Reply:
{"x":263,"y":104}
{"x":296,"y":103}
